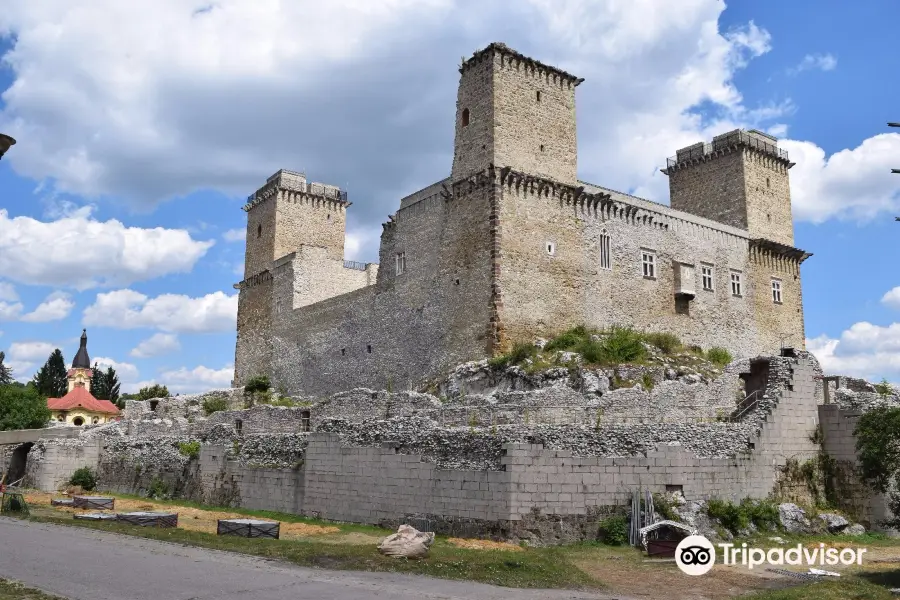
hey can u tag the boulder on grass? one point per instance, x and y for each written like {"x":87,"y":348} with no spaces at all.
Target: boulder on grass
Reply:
{"x":406,"y":543}
{"x":855,"y":529}
{"x":834,"y":523}
{"x":793,"y":518}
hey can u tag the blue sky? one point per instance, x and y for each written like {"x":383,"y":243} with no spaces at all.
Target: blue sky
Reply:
{"x":144,"y":125}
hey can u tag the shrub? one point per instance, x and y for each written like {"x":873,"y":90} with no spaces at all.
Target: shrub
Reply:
{"x":153,"y":391}
{"x":84,"y":478}
{"x":568,"y":339}
{"x":614,"y":530}
{"x":281,"y":401}
{"x":883,"y":389}
{"x":591,"y":351}
{"x":719,"y":356}
{"x":647,"y":381}
{"x":736,"y":517}
{"x":257,"y":383}
{"x":213,"y":405}
{"x":158,"y":489}
{"x":667,"y":342}
{"x":622,"y":345}
{"x":516,"y":355}
{"x":663,"y":506}
{"x":190,"y":449}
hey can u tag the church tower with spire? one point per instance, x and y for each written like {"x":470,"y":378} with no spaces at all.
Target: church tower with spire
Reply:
{"x":79,"y":407}
{"x":80,"y":374}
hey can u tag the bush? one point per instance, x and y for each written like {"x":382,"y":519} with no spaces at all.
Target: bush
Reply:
{"x":84,"y":478}
{"x":719,"y":356}
{"x":153,"y":391}
{"x":884,"y":388}
{"x":614,"y":530}
{"x":258,"y":383}
{"x":190,"y":449}
{"x":667,"y":342}
{"x":22,"y":408}
{"x":568,"y":339}
{"x":591,"y":351}
{"x":622,"y":345}
{"x":516,"y":355}
{"x":663,"y":506}
{"x":158,"y":489}
{"x":736,"y":517}
{"x":213,"y":405}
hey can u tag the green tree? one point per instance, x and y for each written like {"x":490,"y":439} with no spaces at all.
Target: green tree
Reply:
{"x":878,"y":452}
{"x":153,"y":391}
{"x":51,"y":380}
{"x":22,"y":408}
{"x":111,"y":387}
{"x":98,"y":383}
{"x":5,"y":372}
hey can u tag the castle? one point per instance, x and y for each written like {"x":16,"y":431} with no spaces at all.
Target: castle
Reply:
{"x":512,"y":246}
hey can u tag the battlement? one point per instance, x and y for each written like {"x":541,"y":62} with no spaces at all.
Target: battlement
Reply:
{"x":294,"y":181}
{"x":752,"y":138}
{"x":517,"y":59}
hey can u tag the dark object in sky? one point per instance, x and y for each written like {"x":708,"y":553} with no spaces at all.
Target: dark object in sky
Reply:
{"x":5,"y":143}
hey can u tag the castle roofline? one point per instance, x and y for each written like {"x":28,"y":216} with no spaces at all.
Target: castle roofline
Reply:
{"x":725,"y":143}
{"x":779,"y":249}
{"x":504,"y":50}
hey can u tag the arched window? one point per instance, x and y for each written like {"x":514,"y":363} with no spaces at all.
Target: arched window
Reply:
{"x":78,"y":421}
{"x":465,"y":117}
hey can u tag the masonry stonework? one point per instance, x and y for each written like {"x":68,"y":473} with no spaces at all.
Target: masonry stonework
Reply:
{"x":512,"y":246}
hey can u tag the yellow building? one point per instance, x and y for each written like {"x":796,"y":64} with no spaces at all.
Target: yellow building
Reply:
{"x":79,"y":407}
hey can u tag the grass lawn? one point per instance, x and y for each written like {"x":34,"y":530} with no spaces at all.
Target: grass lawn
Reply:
{"x":616,"y":570}
{"x":11,"y":590}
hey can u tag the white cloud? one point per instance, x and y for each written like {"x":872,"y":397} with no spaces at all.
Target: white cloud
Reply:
{"x":853,"y":184}
{"x":125,"y":371}
{"x":892,"y":298}
{"x":198,"y":379}
{"x":24,"y":358}
{"x":8,"y":292}
{"x":235,"y":235}
{"x":55,"y":307}
{"x":128,"y":309}
{"x":821,"y":62}
{"x":10,"y":311}
{"x":81,"y":252}
{"x":864,"y":350}
{"x":156,"y":345}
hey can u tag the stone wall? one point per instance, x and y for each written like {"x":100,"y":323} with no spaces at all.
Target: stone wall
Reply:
{"x":51,"y":464}
{"x":839,"y":442}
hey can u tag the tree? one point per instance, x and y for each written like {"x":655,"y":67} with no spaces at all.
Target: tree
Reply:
{"x":878,"y":452}
{"x":51,"y":380}
{"x":98,"y":383}
{"x":153,"y":391}
{"x":5,"y":372}
{"x":111,"y":387}
{"x":22,"y":408}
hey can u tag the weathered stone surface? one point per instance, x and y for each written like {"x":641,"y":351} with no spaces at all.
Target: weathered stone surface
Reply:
{"x":855,"y":529}
{"x":834,"y":523}
{"x":792,"y":518}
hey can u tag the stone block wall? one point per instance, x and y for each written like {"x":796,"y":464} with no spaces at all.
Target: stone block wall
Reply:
{"x":839,"y":442}
{"x":50,"y":465}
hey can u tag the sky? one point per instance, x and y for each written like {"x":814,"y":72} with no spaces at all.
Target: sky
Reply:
{"x":144,"y":125}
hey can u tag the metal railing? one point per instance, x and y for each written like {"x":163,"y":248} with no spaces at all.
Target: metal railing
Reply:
{"x":746,"y":405}
{"x":725,"y":141}
{"x":352,"y":264}
{"x":317,"y":189}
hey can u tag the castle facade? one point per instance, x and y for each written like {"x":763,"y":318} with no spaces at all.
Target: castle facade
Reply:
{"x":512,"y":246}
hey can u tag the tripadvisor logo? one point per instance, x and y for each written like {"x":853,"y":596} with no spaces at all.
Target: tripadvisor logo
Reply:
{"x":696,"y":555}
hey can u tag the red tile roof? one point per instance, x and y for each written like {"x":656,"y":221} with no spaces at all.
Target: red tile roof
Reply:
{"x":79,"y":397}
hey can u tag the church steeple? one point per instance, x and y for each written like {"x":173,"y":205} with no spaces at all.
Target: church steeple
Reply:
{"x":82,"y":360}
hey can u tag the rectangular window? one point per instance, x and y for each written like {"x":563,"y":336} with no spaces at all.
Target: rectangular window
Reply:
{"x":605,"y":258}
{"x":400,"y":261}
{"x":706,"y":273}
{"x":648,"y":261}
{"x":736,"y":283}
{"x":776,"y":291}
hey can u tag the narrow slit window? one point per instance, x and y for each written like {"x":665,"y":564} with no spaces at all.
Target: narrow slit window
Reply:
{"x":539,"y":95}
{"x":605,"y":257}
{"x":465,"y":117}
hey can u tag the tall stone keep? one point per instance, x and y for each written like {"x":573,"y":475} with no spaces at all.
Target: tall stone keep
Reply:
{"x":285,"y":215}
{"x":740,"y":179}
{"x":512,"y":111}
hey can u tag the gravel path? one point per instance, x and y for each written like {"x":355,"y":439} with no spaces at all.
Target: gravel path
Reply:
{"x":84,"y":564}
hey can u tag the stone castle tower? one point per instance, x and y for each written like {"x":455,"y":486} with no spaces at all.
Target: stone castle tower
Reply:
{"x":512,"y":246}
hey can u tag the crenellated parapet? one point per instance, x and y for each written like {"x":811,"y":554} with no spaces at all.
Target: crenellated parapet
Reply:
{"x":295,"y":188}
{"x":764,"y":149}
{"x":254,"y":280}
{"x":511,"y":59}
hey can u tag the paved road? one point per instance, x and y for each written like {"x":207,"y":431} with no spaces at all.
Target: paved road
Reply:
{"x":85,"y":564}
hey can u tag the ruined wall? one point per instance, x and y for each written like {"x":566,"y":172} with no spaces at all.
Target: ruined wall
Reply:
{"x":409,"y":326}
{"x":253,"y":348}
{"x":50,"y":464}
{"x":839,"y":442}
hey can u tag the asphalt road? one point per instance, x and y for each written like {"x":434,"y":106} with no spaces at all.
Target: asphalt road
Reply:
{"x":84,"y":564}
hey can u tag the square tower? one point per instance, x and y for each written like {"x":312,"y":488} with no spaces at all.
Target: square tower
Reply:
{"x":287,"y":212}
{"x":740,"y":179}
{"x":513,"y":111}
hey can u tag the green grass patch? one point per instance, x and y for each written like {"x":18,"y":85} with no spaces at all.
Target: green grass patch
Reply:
{"x":190,"y":449}
{"x":735,"y":517}
{"x":531,"y":568}
{"x":515,"y":356}
{"x":13,"y":590}
{"x":719,"y":356}
{"x":668,"y":343}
